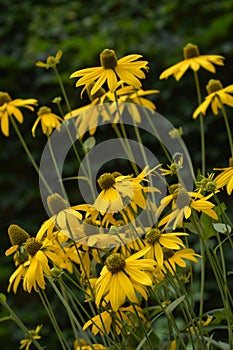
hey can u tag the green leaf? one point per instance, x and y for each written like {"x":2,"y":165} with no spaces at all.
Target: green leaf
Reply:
{"x":207,"y":224}
{"x":174,"y":304}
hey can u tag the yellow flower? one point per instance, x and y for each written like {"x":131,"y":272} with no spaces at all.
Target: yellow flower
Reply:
{"x":81,"y":344}
{"x":121,"y":278}
{"x":9,"y":107}
{"x":217,"y":97}
{"x":156,"y":241}
{"x":194,"y":61}
{"x":49,"y":121}
{"x":171,"y":259}
{"x":182,"y":204}
{"x":225,"y":178}
{"x":26,"y":343}
{"x":41,"y":252}
{"x":51,"y":61}
{"x":34,"y":276}
{"x":126,"y":68}
{"x":109,"y":320}
{"x":119,"y":192}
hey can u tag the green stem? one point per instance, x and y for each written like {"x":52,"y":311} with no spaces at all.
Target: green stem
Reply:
{"x":227,"y":127}
{"x":202,"y":289}
{"x":133,"y":163}
{"x":56,"y":168}
{"x":143,"y":327}
{"x":69,"y":311}
{"x":62,"y":87}
{"x":53,"y":320}
{"x":229,"y":323}
{"x":16,"y":319}
{"x":63,"y":290}
{"x":202,"y":129}
{"x":30,"y":155}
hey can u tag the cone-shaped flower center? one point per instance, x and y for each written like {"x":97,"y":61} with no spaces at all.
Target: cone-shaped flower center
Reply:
{"x":4,"y":98}
{"x":99,"y":93}
{"x":115,"y":262}
{"x":17,"y":235}
{"x":191,"y":51}
{"x":32,"y":246}
{"x":56,"y":203}
{"x":153,"y":236}
{"x":108,"y":59}
{"x":106,"y":181}
{"x":44,"y":110}
{"x":183,"y":199}
{"x":167,"y":253}
{"x":231,"y":162}
{"x":213,"y":86}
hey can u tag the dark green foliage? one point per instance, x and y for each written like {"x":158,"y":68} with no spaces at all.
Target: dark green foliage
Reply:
{"x":32,"y":30}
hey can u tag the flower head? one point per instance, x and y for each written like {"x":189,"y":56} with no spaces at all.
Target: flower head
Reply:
{"x":49,"y":121}
{"x":217,"y":97}
{"x":122,"y":192}
{"x":171,"y":259}
{"x":183,"y":203}
{"x":9,"y":108}
{"x":51,"y":61}
{"x":122,"y":277}
{"x":34,"y":334}
{"x":126,"y":69}
{"x":156,"y":241}
{"x":192,"y":60}
{"x":42,"y":252}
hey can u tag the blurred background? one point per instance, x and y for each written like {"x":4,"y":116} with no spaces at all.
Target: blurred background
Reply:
{"x":32,"y":30}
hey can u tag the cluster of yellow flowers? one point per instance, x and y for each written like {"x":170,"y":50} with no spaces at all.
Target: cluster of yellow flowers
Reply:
{"x":118,"y":267}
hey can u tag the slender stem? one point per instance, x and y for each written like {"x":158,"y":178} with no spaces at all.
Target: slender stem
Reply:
{"x":229,"y":323}
{"x":62,"y":88}
{"x":53,"y":319}
{"x":20,"y":324}
{"x":56,"y":168}
{"x":202,"y":128}
{"x":64,"y":294}
{"x":130,"y":152}
{"x":202,"y":289}
{"x":30,"y":155}
{"x":69,"y":310}
{"x":81,"y":143}
{"x":227,"y":127}
{"x":143,"y":327}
